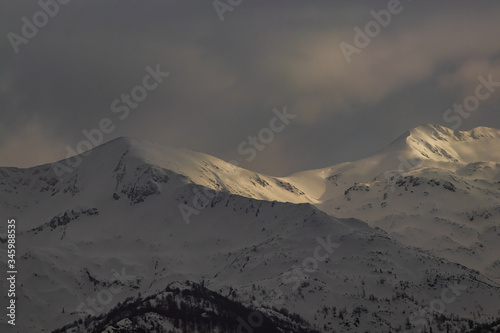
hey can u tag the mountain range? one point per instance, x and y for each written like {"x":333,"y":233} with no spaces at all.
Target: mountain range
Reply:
{"x":145,"y":238}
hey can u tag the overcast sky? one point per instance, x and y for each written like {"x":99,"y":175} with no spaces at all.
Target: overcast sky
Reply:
{"x":227,"y":76}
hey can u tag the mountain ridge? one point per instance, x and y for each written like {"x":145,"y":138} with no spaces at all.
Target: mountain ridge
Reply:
{"x":402,"y":239}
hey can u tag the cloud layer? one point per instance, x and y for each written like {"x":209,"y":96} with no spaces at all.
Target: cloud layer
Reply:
{"x":227,"y":76}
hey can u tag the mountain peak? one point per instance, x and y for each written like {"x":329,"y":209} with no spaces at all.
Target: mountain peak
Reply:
{"x":149,"y":152}
{"x":441,"y":132}
{"x":433,"y":129}
{"x":439,"y":143}
{"x":126,"y":140}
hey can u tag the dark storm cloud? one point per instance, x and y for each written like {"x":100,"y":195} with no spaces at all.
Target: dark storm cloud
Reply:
{"x":226,"y":77}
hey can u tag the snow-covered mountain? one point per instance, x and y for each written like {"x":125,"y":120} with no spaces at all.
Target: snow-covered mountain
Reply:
{"x":357,"y":247}
{"x":433,"y":187}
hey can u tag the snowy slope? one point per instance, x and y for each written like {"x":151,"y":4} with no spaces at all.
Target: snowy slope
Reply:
{"x":433,"y":188}
{"x":426,"y":146}
{"x":252,"y":247}
{"x":255,"y":235}
{"x":127,"y":166}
